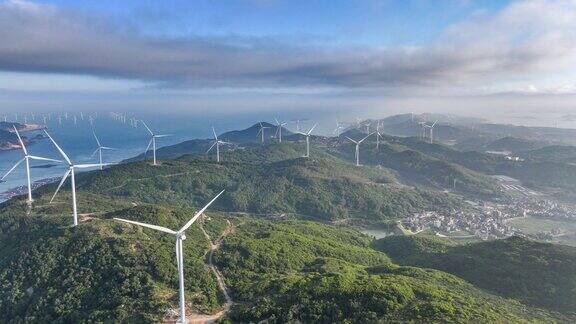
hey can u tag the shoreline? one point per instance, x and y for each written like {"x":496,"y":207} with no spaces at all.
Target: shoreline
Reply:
{"x":23,"y":189}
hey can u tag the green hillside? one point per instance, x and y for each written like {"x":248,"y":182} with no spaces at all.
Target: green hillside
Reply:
{"x":539,"y":274}
{"x":305,"y":272}
{"x":318,"y":187}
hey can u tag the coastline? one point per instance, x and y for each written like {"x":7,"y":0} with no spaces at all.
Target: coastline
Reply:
{"x":21,"y":190}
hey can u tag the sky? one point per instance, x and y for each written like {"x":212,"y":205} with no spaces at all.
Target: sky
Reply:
{"x":483,"y":58}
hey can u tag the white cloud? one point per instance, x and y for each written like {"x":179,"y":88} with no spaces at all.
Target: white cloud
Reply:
{"x":519,"y":44}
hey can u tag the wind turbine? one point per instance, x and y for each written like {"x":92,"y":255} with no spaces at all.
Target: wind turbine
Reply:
{"x":180,"y":237}
{"x":261,"y":131}
{"x":378,"y":135}
{"x":71,"y":168}
{"x":279,"y":126}
{"x":358,"y":147}
{"x":152,"y":141}
{"x":27,"y":158}
{"x":216,"y":143}
{"x":431,"y":131}
{"x":338,"y":128}
{"x":99,"y":149}
{"x":307,"y":135}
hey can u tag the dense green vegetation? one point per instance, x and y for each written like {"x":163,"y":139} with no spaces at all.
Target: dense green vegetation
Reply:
{"x":278,"y":268}
{"x":320,"y":187}
{"x":101,"y":271}
{"x":539,"y":274}
{"x":305,"y":272}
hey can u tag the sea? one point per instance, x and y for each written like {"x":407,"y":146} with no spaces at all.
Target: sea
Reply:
{"x":127,"y":138}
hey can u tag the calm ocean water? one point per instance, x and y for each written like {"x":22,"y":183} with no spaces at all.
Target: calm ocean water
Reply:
{"x":78,"y":142}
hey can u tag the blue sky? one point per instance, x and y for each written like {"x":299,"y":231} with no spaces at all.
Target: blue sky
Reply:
{"x":271,"y":53}
{"x":379,"y":23}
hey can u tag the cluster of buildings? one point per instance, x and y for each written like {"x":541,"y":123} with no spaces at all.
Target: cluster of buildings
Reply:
{"x":488,"y":220}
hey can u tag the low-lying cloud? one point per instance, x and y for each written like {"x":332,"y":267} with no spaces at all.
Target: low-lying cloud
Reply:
{"x":524,"y":39}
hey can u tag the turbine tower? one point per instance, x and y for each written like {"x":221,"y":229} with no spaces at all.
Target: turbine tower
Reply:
{"x":358,"y":147}
{"x":308,"y":140}
{"x":279,"y":126}
{"x":180,"y":237}
{"x":99,"y":149}
{"x":261,"y":131}
{"x":152,"y":142}
{"x":27,"y":158}
{"x":71,"y":168}
{"x":378,"y":134}
{"x":216,"y":143}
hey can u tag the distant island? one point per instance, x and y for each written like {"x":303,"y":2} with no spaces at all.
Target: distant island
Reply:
{"x":9,"y":140}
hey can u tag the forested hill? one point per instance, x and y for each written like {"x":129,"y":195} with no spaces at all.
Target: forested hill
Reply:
{"x":320,"y":187}
{"x":280,"y":271}
{"x":278,"y":267}
{"x":538,"y":274}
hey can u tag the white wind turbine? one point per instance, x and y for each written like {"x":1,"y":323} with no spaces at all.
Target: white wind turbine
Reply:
{"x":358,"y":147}
{"x":308,"y":140}
{"x":217,"y":143}
{"x":431,"y":131}
{"x":180,"y":237}
{"x":261,"y":131}
{"x":279,"y":126}
{"x":27,"y":158}
{"x":99,"y":150}
{"x":152,"y":142}
{"x":378,"y":134}
{"x":338,"y":128}
{"x":71,"y":168}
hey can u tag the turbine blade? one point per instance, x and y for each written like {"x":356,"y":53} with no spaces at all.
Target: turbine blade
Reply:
{"x":96,"y":151}
{"x":156,"y":227}
{"x":214,"y":132}
{"x":148,"y":147}
{"x":87,"y":166}
{"x":33,"y":157}
{"x":362,"y":140}
{"x":191,"y":221}
{"x":21,"y":142}
{"x":14,"y":167}
{"x":351,"y":139}
{"x":107,"y":148}
{"x":163,"y":135}
{"x":59,"y":149}
{"x":211,"y":146}
{"x":148,"y":128}
{"x":311,"y":129}
{"x":60,"y":185}
{"x":96,"y":138}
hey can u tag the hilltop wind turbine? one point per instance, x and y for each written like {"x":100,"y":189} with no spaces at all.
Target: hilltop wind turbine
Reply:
{"x":216,"y":143}
{"x":358,"y":147}
{"x":261,"y":131}
{"x":70,"y":172}
{"x":153,"y":141}
{"x":27,"y":158}
{"x":378,"y":135}
{"x":338,"y":128}
{"x":431,"y":131}
{"x":180,"y":237}
{"x":99,"y":149}
{"x":279,"y":126}
{"x":308,"y":140}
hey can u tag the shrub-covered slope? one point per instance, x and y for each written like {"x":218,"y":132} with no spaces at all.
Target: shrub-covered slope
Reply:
{"x":539,"y":274}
